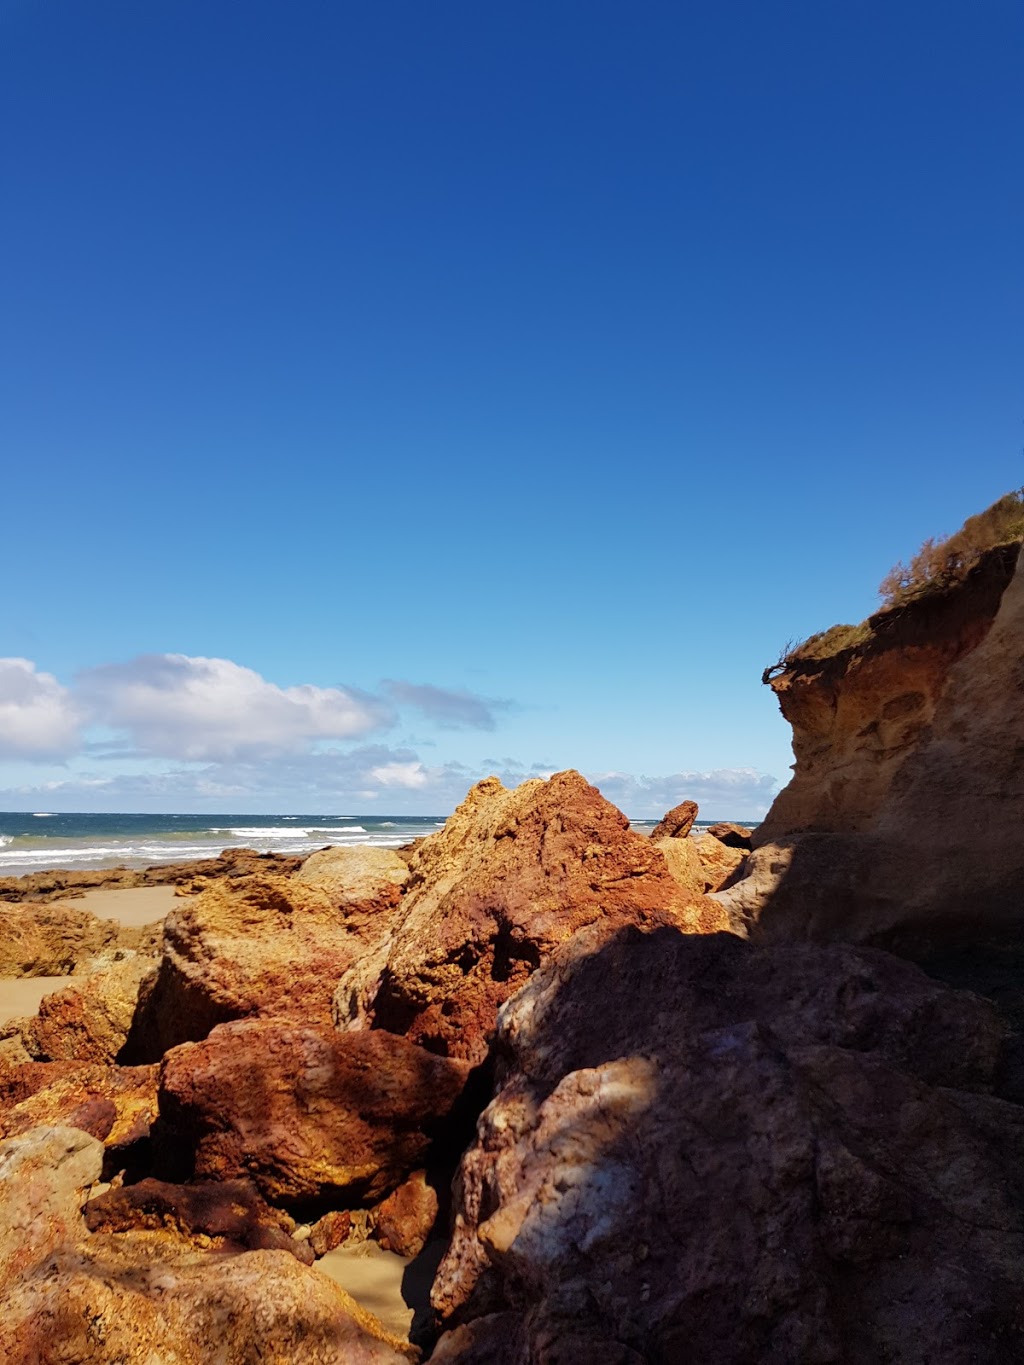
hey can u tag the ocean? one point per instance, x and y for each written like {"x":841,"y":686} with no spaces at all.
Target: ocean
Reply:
{"x":36,"y":841}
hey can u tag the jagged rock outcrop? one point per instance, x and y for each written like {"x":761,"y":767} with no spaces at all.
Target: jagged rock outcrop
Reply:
{"x":900,"y":824}
{"x":260,"y":946}
{"x":677,"y":823}
{"x":306,"y":1113}
{"x":512,"y":875}
{"x":704,"y":1149}
{"x":52,"y":940}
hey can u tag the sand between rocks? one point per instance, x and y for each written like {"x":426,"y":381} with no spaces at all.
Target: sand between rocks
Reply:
{"x":132,"y":905}
{"x":21,"y":994}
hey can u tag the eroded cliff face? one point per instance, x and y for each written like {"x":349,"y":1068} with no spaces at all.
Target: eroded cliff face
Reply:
{"x":903,"y":815}
{"x":859,"y":715}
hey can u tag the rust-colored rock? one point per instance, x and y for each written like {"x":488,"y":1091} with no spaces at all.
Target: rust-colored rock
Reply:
{"x":44,"y":940}
{"x":132,"y":1298}
{"x":115,"y":1103}
{"x":736,"y":836}
{"x":677,"y":823}
{"x":306,"y":1113}
{"x":259,"y":946}
{"x":331,"y":1231}
{"x":89,"y":1020}
{"x":363,"y":880}
{"x":511,"y":876}
{"x":228,"y":1215}
{"x":405,"y":1219}
{"x":684,"y":863}
{"x":706,"y":1150}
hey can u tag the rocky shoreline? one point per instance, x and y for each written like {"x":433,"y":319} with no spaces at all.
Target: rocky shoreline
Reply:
{"x":739,"y":1096}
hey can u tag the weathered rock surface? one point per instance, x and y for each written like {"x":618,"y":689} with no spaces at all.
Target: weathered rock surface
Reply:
{"x":42,"y":1176}
{"x":225,"y":1215}
{"x":512,"y":875}
{"x":133,"y":1298}
{"x":260,"y":946}
{"x":677,"y":823}
{"x":404,"y":1220}
{"x":722,"y":863}
{"x":306,"y":1113}
{"x":684,"y":864}
{"x":116,"y":1104}
{"x":736,"y":836}
{"x":364,"y":880}
{"x":89,"y":1020}
{"x":707,"y":1150}
{"x":907,"y":750}
{"x":43,"y":940}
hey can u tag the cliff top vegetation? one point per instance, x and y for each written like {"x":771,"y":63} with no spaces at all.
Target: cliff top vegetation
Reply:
{"x":938,"y":565}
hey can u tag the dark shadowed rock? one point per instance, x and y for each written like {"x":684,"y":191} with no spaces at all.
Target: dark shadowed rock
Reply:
{"x":228,"y":1214}
{"x":704,"y":1150}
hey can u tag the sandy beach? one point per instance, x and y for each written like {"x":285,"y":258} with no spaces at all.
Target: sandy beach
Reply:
{"x":132,"y":906}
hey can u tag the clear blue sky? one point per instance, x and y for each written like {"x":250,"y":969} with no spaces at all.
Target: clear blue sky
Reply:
{"x":573,"y":356}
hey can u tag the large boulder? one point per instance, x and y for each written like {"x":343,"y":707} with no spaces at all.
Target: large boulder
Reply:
{"x":707,"y":1150}
{"x":258,"y":946}
{"x":89,"y":1019}
{"x":367,"y":881}
{"x":306,"y":1113}
{"x":512,"y":875}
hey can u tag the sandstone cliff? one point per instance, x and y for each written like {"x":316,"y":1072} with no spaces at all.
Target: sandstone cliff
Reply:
{"x":900,"y":820}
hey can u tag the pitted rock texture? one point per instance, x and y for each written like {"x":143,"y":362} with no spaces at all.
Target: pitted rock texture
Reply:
{"x":222,"y":1214}
{"x":365,"y":880}
{"x":116,"y":1104}
{"x":138,"y":1297}
{"x":706,"y":1150}
{"x":89,"y":1019}
{"x":404,"y":1220}
{"x":306,"y":1113}
{"x":512,"y":875}
{"x":255,"y":947}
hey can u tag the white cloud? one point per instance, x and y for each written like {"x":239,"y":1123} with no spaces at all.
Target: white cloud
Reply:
{"x":38,"y":717}
{"x":721,"y":794}
{"x":198,"y":710}
{"x":410,"y":775}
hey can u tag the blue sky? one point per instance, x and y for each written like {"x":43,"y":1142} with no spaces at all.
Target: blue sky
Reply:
{"x":480,"y":388}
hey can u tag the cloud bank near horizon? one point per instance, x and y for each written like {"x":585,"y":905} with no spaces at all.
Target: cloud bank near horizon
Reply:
{"x":196,"y":733}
